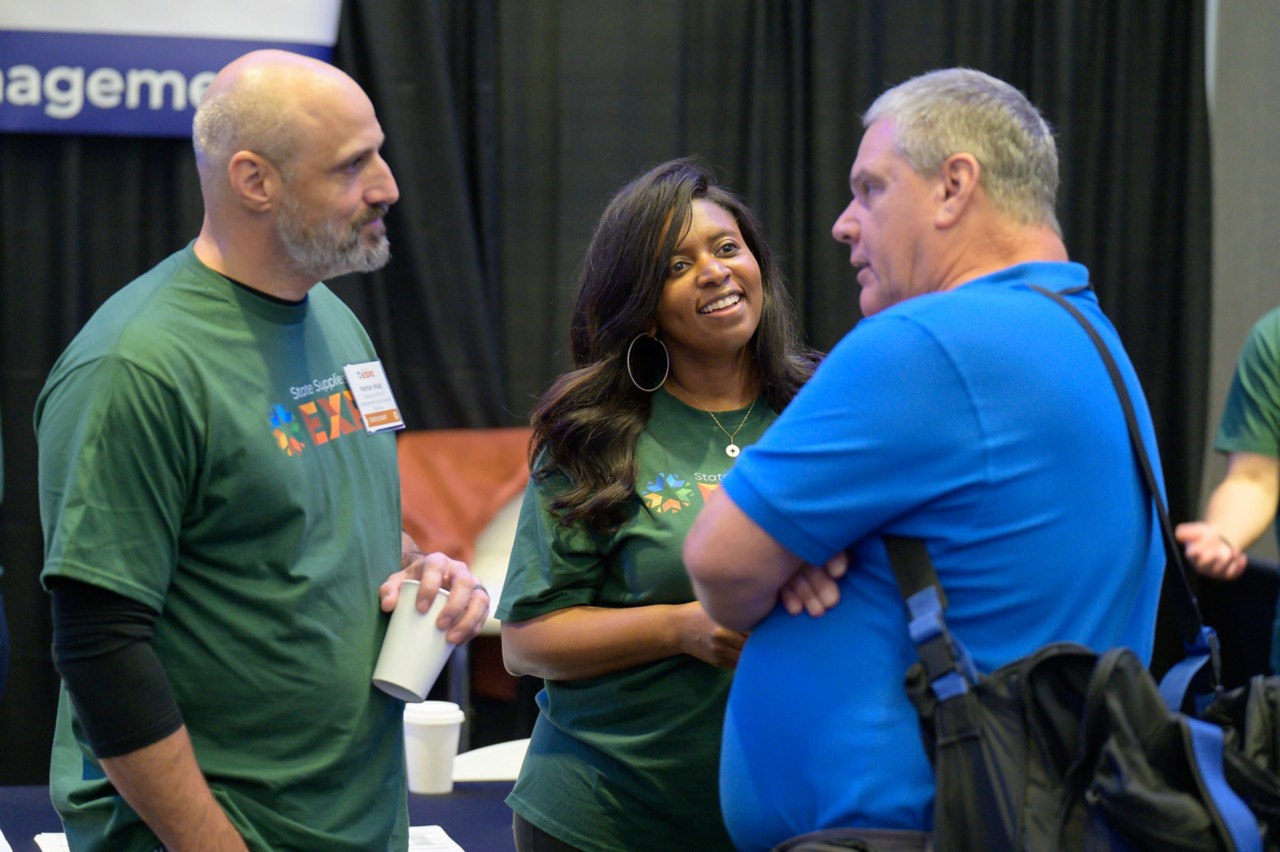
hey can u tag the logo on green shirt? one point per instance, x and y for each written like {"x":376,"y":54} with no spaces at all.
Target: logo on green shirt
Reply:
{"x":667,"y":493}
{"x":319,"y":421}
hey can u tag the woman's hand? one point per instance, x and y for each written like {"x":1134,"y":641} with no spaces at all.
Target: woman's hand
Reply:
{"x":705,"y":639}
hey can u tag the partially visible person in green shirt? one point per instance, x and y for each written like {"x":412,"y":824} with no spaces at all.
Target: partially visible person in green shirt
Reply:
{"x":1244,"y":504}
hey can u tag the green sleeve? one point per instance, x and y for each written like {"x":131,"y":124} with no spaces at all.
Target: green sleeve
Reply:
{"x":114,"y":479}
{"x":552,"y":567}
{"x":1251,"y":418}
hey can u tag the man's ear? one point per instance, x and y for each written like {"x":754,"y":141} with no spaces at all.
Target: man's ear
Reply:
{"x":255,"y":180}
{"x":958,"y":182}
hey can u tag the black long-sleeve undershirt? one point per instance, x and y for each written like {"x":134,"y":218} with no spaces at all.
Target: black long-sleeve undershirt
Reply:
{"x":102,"y":648}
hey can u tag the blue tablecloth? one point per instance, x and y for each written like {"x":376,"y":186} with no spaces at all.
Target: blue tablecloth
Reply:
{"x":475,"y":815}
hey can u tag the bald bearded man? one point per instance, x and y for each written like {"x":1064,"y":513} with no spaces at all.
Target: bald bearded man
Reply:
{"x":222,"y":532}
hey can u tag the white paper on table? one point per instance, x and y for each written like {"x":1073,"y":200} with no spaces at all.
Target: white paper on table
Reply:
{"x":50,"y":842}
{"x":431,"y":838}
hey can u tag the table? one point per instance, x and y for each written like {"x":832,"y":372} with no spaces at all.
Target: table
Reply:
{"x":475,"y":815}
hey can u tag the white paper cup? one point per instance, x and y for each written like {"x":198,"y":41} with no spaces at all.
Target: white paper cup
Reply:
{"x":414,"y":650}
{"x":431,"y":730}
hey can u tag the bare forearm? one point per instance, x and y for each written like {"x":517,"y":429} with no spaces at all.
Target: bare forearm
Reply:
{"x":1241,"y":510}
{"x":583,"y":641}
{"x":163,"y":783}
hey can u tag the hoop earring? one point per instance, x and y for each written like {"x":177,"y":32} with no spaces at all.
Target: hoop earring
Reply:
{"x":666,"y":370}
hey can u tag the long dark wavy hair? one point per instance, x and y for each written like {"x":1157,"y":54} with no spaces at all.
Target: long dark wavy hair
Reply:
{"x":586,"y":425}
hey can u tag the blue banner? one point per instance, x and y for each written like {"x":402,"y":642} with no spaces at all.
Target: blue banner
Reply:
{"x":137,"y":68}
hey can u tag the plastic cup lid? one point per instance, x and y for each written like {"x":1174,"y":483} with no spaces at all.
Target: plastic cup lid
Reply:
{"x":438,"y":712}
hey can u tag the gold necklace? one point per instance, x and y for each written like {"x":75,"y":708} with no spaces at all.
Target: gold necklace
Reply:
{"x":732,"y":449}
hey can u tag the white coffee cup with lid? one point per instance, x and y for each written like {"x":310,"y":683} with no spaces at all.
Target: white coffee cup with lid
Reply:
{"x":431,"y":732}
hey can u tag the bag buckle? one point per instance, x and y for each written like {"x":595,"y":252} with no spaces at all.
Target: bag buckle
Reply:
{"x":946,"y":663}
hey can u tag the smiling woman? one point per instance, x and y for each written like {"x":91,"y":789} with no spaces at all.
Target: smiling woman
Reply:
{"x":685,"y":346}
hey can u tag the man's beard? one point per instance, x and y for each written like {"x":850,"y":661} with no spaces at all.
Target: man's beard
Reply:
{"x":330,"y":248}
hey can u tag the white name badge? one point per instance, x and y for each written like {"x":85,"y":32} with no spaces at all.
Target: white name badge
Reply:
{"x":374,"y":400}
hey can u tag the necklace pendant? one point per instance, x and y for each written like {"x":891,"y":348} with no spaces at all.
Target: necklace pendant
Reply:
{"x":732,"y":450}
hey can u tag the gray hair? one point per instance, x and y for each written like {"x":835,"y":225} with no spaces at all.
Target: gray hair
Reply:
{"x":240,"y":118}
{"x":957,"y":110}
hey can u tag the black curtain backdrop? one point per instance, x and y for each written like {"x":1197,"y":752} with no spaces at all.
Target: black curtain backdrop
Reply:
{"x":510,"y":122}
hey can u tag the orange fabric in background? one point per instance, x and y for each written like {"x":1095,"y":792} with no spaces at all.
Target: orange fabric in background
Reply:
{"x":453,"y":482}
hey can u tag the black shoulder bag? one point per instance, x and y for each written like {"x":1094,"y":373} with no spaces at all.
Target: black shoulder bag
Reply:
{"x":1070,"y":749}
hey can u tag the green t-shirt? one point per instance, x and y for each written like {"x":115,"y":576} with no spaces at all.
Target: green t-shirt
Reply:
{"x":1251,"y":418}
{"x":628,"y":760}
{"x":200,"y":453}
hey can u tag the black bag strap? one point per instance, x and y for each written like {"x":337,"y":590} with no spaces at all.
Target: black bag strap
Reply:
{"x":1188,"y":611}
{"x":946,"y":663}
{"x":915,"y":573}
{"x":1200,"y":641}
